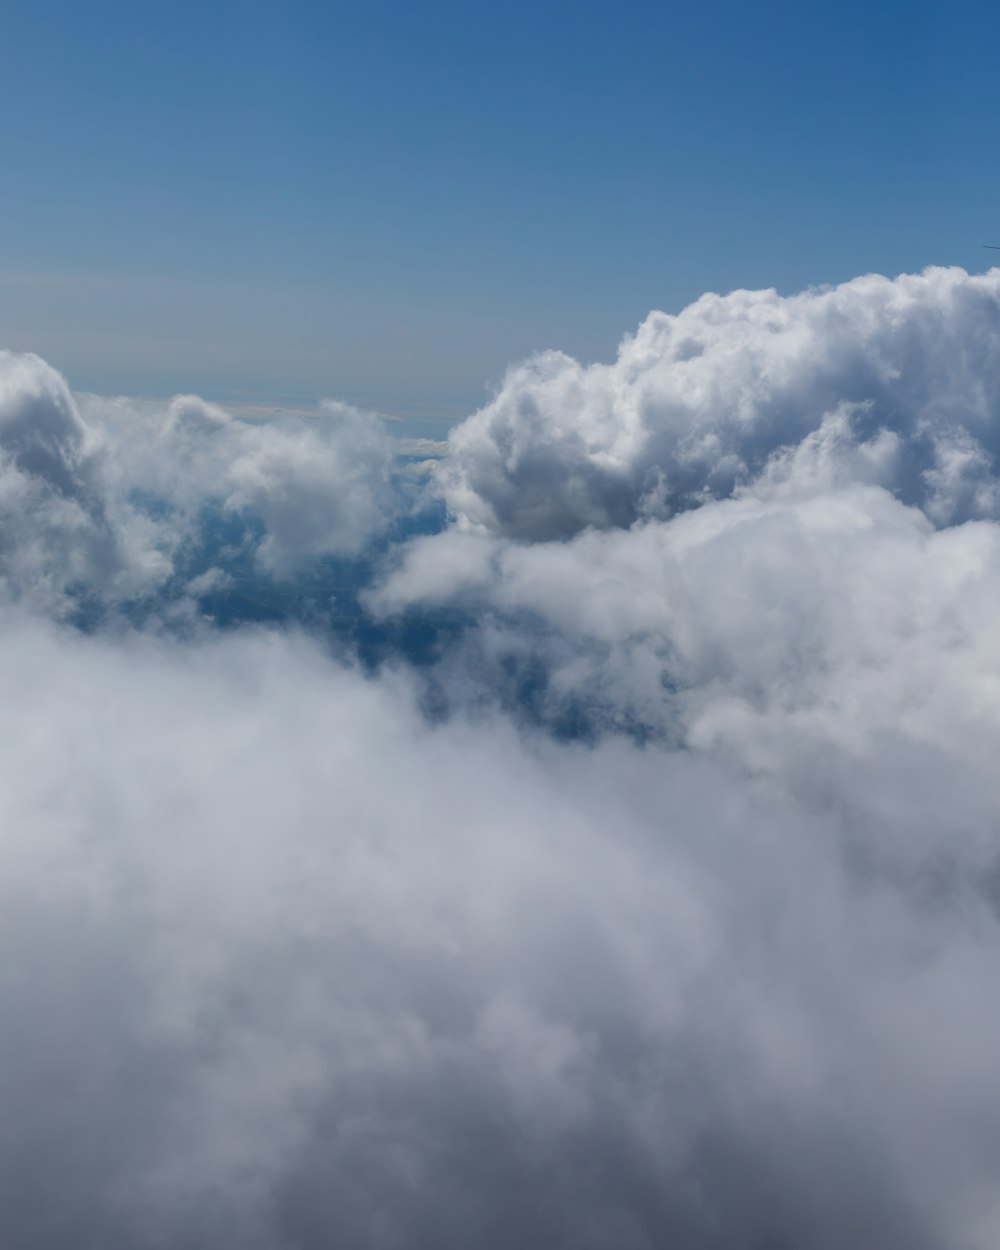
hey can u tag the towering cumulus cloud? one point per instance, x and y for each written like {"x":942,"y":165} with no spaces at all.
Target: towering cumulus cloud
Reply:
{"x":697,"y":403}
{"x":651,"y":900}
{"x":54,"y":531}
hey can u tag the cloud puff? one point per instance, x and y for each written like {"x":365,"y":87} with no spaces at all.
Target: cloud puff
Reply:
{"x":99,"y":504}
{"x":321,"y":488}
{"x":55,"y":533}
{"x":807,"y":639}
{"x":284,"y":963}
{"x":318,"y":485}
{"x":696,"y":404}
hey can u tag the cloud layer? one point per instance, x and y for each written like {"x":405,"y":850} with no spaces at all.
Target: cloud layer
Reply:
{"x":657,"y":904}
{"x":285,"y":962}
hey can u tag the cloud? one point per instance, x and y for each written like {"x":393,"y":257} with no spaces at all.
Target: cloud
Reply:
{"x":697,"y":404}
{"x":284,"y":960}
{"x":100,"y":504}
{"x":320,"y":490}
{"x":318,"y":485}
{"x":656,"y":904}
{"x":54,"y":529}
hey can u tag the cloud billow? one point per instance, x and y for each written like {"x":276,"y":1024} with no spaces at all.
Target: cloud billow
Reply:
{"x":101,"y":499}
{"x":696,"y":404}
{"x":288,"y":962}
{"x":291,"y":963}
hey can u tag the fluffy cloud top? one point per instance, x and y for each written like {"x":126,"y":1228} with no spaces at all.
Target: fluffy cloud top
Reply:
{"x":696,"y":404}
{"x":55,"y":533}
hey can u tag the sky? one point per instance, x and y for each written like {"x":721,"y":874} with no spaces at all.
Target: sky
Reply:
{"x":387,"y":203}
{"x":566,"y":815}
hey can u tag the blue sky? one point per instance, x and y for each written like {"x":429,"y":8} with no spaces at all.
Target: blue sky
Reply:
{"x":388,"y":202}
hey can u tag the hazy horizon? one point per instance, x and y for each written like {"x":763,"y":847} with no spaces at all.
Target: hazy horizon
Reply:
{"x":499,"y":582}
{"x":390,"y":204}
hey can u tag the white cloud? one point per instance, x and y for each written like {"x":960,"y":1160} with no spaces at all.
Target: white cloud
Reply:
{"x":286,"y":964}
{"x":319,"y":484}
{"x":99,"y":503}
{"x":321,"y":488}
{"x":806,"y":638}
{"x":697,"y":403}
{"x":55,"y":532}
{"x":284,"y":960}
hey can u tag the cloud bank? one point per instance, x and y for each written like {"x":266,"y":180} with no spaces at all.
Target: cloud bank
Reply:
{"x":287,"y":965}
{"x":654,"y":902}
{"x":696,"y":405}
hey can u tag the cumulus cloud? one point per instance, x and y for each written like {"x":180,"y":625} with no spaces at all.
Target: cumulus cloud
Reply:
{"x":696,"y":404}
{"x":674,"y":922}
{"x":318,"y":485}
{"x":56,"y":534}
{"x":99,"y":503}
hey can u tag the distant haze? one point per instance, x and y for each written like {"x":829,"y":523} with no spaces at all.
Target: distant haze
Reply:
{"x":390,"y":202}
